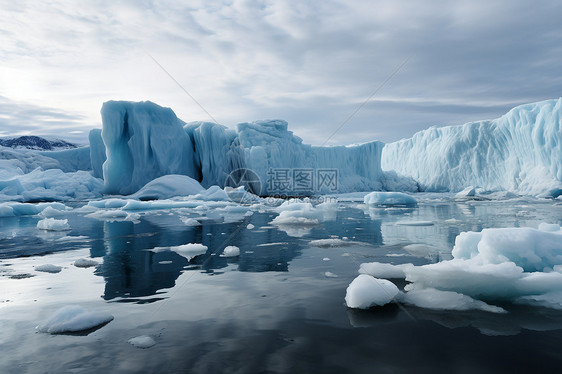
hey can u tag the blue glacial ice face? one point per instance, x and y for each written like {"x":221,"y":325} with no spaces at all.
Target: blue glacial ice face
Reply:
{"x":520,"y":152}
{"x":269,"y":146}
{"x":143,"y":141}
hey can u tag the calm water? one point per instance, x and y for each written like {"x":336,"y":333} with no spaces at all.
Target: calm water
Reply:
{"x":273,"y":309}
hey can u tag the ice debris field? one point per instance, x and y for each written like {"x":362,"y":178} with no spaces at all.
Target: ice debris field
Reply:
{"x":146,"y":160}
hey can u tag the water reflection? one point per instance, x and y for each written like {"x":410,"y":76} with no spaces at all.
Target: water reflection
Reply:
{"x":131,"y":269}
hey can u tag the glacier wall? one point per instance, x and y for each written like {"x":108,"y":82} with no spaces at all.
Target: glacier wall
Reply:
{"x":520,"y":151}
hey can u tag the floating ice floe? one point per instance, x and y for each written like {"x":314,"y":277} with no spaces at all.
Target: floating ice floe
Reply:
{"x":467,"y":192}
{"x":188,"y":251}
{"x":48,"y":268}
{"x":85,"y":263}
{"x":51,"y":224}
{"x":389,"y":198}
{"x":50,"y":185}
{"x":231,"y":251}
{"x":190,"y":221}
{"x":143,"y":341}
{"x":518,"y":265}
{"x":297,"y":212}
{"x":365,"y":292}
{"x":73,"y":318}
{"x":113,"y":215}
{"x":10,"y":209}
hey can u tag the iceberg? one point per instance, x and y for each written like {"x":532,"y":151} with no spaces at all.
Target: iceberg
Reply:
{"x":73,"y":318}
{"x":270,"y":148}
{"x":518,"y":265}
{"x":366,"y":291}
{"x":143,"y":141}
{"x":519,"y":152}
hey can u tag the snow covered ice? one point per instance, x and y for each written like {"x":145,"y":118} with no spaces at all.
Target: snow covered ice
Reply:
{"x":140,"y":142}
{"x":73,"y":318}
{"x":85,"y":263}
{"x":231,"y":251}
{"x":48,"y":268}
{"x":142,"y":341}
{"x":520,"y":265}
{"x":52,"y":224}
{"x":366,"y":291}
{"x":389,"y":198}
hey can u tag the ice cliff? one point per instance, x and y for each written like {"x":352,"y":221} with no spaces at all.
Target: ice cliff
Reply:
{"x":520,"y":152}
{"x":140,"y":142}
{"x":143,"y":141}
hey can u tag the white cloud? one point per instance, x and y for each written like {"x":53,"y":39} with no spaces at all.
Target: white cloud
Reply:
{"x":311,"y":63}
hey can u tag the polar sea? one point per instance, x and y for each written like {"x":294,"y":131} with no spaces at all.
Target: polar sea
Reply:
{"x":277,"y":307}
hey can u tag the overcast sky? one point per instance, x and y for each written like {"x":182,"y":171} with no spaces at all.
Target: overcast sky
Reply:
{"x":312,"y":63}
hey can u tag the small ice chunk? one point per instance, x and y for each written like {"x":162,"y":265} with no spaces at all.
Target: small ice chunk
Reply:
{"x":366,"y":291}
{"x":250,"y":226}
{"x":213,"y":193}
{"x":49,"y":211}
{"x":389,"y":198}
{"x":549,"y":227}
{"x":85,"y":263}
{"x":231,"y":251}
{"x":431,"y":298}
{"x":330,"y":275}
{"x":326,"y":259}
{"x":48,"y":268}
{"x":467,"y":192}
{"x":113,"y":215}
{"x":382,"y":270}
{"x":52,"y":224}
{"x":142,"y":341}
{"x":73,"y":318}
{"x":190,"y":250}
{"x":190,"y":221}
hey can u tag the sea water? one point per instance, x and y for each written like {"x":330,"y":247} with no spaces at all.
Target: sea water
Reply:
{"x":278,"y":307}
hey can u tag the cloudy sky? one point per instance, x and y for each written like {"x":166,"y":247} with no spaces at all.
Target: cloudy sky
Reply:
{"x":312,"y":63}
